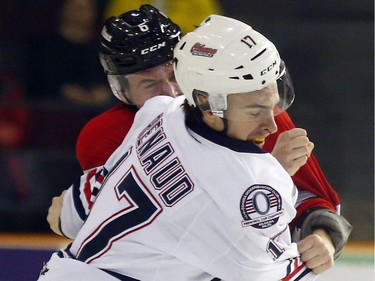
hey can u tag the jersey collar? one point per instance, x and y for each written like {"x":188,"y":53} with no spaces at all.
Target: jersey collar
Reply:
{"x":221,"y":139}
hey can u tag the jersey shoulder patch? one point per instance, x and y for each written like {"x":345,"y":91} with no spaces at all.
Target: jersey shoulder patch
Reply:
{"x":261,"y":206}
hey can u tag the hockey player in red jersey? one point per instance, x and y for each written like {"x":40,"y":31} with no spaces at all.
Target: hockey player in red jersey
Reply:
{"x":320,"y":207}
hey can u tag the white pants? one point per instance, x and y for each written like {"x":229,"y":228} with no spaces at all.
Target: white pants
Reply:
{"x":63,"y":269}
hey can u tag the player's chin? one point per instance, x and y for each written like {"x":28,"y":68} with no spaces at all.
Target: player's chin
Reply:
{"x":258,"y":142}
{"x":260,"y":145}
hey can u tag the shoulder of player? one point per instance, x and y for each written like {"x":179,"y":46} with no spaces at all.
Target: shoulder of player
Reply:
{"x":154,"y":107}
{"x":115,"y":116}
{"x":110,"y":126}
{"x":158,"y":103}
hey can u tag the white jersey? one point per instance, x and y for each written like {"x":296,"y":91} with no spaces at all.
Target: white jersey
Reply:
{"x":187,"y":203}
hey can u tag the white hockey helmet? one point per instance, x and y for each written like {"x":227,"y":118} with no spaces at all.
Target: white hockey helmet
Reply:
{"x":225,"y":56}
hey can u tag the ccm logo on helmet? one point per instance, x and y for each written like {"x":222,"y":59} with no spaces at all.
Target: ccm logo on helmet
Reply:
{"x":152,"y":48}
{"x":264,"y":71}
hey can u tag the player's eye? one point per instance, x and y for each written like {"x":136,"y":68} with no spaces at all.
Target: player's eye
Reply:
{"x":151,"y":85}
{"x":255,"y":114}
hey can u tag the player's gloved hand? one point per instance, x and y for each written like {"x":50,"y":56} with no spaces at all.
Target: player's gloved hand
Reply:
{"x":54,"y":210}
{"x":317,"y":251}
{"x":292,"y":149}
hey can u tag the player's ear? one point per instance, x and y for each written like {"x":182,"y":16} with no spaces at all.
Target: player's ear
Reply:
{"x":201,"y":101}
{"x":213,"y":121}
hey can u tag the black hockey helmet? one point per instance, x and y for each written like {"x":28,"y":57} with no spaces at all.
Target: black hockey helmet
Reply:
{"x":137,"y":40}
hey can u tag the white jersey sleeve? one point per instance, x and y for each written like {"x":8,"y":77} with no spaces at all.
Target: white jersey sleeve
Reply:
{"x":78,"y":201}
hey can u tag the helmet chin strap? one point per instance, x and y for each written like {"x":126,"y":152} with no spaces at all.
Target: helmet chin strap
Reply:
{"x":225,"y":122}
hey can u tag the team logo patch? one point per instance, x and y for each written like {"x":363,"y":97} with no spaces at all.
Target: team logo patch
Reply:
{"x":261,"y":206}
{"x":201,"y":50}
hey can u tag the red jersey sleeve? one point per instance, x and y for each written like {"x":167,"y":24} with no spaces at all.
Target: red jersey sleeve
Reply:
{"x":309,"y":177}
{"x":100,"y":137}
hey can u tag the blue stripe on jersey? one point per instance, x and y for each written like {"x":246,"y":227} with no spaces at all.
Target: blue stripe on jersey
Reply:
{"x":77,"y":200}
{"x":221,"y":139}
{"x":303,"y":274}
{"x":119,"y":276}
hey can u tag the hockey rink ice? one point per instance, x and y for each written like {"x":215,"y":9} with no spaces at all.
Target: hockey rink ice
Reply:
{"x":22,"y":257}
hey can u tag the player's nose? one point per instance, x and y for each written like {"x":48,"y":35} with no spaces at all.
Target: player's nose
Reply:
{"x":170,"y":89}
{"x":270,"y":125}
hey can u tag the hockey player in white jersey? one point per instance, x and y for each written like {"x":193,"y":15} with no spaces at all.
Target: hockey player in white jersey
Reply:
{"x":189,"y":195}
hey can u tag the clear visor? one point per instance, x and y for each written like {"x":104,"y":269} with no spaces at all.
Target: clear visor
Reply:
{"x":257,"y":105}
{"x":285,"y":89}
{"x":160,"y":80}
{"x":119,"y":86}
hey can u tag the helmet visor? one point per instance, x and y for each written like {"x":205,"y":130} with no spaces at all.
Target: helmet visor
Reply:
{"x":140,"y":86}
{"x":256,"y":105}
{"x":285,"y":89}
{"x":120,"y":86}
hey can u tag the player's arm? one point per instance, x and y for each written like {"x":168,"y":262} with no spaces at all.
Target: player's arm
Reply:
{"x":319,"y":203}
{"x":68,"y":211}
{"x":326,"y":223}
{"x":320,"y":232}
{"x":78,"y":199}
{"x":293,"y":150}
{"x":318,"y":207}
